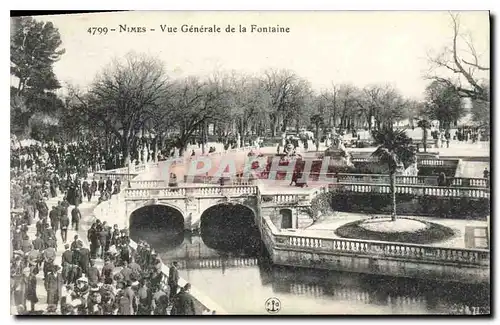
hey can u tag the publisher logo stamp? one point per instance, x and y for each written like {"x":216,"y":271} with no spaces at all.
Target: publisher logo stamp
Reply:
{"x":273,"y":305}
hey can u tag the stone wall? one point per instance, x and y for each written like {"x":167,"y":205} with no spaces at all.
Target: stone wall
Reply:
{"x":373,"y":265}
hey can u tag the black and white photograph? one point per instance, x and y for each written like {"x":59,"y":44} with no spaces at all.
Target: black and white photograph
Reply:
{"x":185,"y":163}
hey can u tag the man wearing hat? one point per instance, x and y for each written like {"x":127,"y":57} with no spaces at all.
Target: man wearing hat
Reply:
{"x":126,"y":272}
{"x":75,"y":242}
{"x":51,"y":285}
{"x":107,"y":299}
{"x":123,"y":302}
{"x":173,"y":279}
{"x":17,"y":239}
{"x":38,"y":243}
{"x":47,"y":233}
{"x":76,"y":216}
{"x":84,"y":258}
{"x":49,"y":255}
{"x":160,"y":300}
{"x":64,"y":223}
{"x":51,"y":242}
{"x":66,"y":262}
{"x":107,"y":269}
{"x":54,"y":217}
{"x":26,"y":245}
{"x":184,"y":302}
{"x":30,"y":280}
{"x":93,"y":273}
{"x":145,"y":298}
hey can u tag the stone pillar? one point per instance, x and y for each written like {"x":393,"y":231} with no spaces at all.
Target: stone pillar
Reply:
{"x":187,"y":221}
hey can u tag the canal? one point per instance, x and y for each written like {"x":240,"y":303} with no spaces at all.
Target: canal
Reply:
{"x":226,"y":261}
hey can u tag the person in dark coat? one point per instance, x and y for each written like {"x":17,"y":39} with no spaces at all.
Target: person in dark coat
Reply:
{"x":51,"y":286}
{"x":442,"y":179}
{"x":160,"y":300}
{"x":53,"y":189}
{"x":40,"y":226}
{"x":126,"y":272}
{"x":101,"y":185}
{"x":123,"y":303}
{"x":173,"y":279}
{"x":84,"y":259}
{"x":54,"y":216}
{"x":51,"y":242}
{"x":26,"y":245}
{"x":64,"y":223}
{"x":75,"y":242}
{"x":183,"y":303}
{"x":30,"y":292}
{"x":43,"y":209}
{"x":102,"y":238}
{"x":109,"y":185}
{"x":48,"y":233}
{"x":17,"y":239}
{"x":38,"y":243}
{"x":76,"y":216}
{"x":115,"y":236}
{"x":93,"y":273}
{"x":93,"y":187}
{"x":92,"y":238}
{"x":67,"y":262}
{"x":86,"y":190}
{"x":145,"y":298}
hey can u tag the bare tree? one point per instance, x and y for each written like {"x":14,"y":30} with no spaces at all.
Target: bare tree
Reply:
{"x":279,"y":84}
{"x":385,"y":104}
{"x":462,"y":66}
{"x":122,"y":94}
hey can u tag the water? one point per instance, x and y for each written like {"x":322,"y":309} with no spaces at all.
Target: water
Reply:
{"x":227,"y":263}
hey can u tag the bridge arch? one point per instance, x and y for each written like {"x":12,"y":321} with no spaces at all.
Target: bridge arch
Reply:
{"x":159,"y":217}
{"x":230,"y":226}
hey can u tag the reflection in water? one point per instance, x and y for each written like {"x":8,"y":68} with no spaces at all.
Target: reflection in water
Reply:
{"x":241,"y":279}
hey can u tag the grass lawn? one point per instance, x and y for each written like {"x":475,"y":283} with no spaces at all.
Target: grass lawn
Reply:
{"x":403,"y":230}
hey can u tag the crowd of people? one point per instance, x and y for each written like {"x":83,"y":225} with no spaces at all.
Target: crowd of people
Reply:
{"x":128,"y":282}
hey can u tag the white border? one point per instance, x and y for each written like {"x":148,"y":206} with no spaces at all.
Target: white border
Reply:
{"x":201,"y":5}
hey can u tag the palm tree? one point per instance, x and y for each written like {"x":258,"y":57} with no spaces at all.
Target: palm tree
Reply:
{"x":394,"y":149}
{"x":424,"y":125}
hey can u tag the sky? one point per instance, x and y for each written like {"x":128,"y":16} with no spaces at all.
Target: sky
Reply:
{"x":360,"y":48}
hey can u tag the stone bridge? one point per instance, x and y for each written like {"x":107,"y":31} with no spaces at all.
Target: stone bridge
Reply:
{"x":193,"y":201}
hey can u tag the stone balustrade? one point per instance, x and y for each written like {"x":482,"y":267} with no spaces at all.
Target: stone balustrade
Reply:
{"x":431,"y":162}
{"x":379,"y":249}
{"x":218,"y":263}
{"x":427,"y":162}
{"x":202,"y":179}
{"x":417,"y":190}
{"x":151,"y":183}
{"x":182,"y":192}
{"x":410,"y":180}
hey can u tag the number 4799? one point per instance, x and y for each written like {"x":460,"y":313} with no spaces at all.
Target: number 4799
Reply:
{"x":97,"y":30}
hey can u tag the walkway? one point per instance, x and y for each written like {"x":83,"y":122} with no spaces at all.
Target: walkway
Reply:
{"x":327,"y":224}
